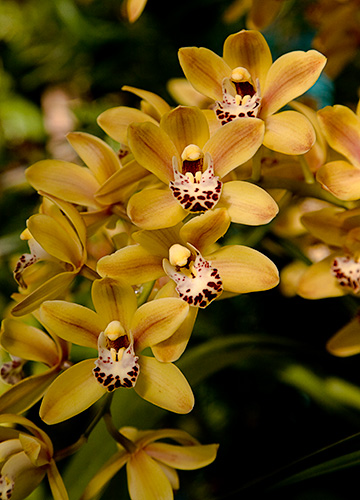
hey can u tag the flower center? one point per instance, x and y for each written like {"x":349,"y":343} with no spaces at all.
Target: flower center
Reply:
{"x":240,"y":97}
{"x":117,"y":365}
{"x":195,"y":185}
{"x":11,"y":372}
{"x":198,"y":283}
{"x":347,"y":271}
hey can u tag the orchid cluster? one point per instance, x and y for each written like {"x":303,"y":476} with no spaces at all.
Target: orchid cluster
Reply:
{"x":143,"y":222}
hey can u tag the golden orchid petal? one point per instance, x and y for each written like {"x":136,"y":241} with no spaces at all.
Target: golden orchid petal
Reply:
{"x":171,"y":349}
{"x":23,"y":395}
{"x":72,"y":322}
{"x":34,"y":450}
{"x":156,"y":321}
{"x":65,"y":180}
{"x":183,"y":457}
{"x":318,"y":282}
{"x":117,"y":187}
{"x":186,"y":125}
{"x":159,"y":241}
{"x":134,"y":9}
{"x":243,"y":269}
{"x":153,"y":149}
{"x":115,"y":121}
{"x":289,"y":132}
{"x":74,"y":217}
{"x":248,"y":203}
{"x":132,"y":264}
{"x":163,"y":384}
{"x":341,"y":179}
{"x":28,"y":342}
{"x":341,"y":127}
{"x":248,"y":49}
{"x":155,"y":209}
{"x":205,"y":229}
{"x":51,"y":289}
{"x":104,"y":475}
{"x":96,"y":154}
{"x":234,"y":144}
{"x":346,"y":341}
{"x":56,"y":482}
{"x":328,"y":225}
{"x":290,"y":76}
{"x":59,"y":240}
{"x":262,"y":13}
{"x":160,"y":106}
{"x":146,"y":479}
{"x":114,"y":300}
{"x":205,"y":70}
{"x":72,"y":392}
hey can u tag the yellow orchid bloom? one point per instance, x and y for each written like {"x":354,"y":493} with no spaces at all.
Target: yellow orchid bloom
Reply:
{"x":26,"y":457}
{"x":246,"y":83}
{"x":103,"y":187}
{"x":151,"y":465}
{"x":341,"y":127}
{"x":186,"y":254}
{"x":24,"y":343}
{"x":339,"y":272}
{"x":56,"y":236}
{"x":120,"y":332}
{"x":191,"y":163}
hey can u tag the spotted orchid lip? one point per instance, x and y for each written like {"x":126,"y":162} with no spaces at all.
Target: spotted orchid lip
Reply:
{"x":237,"y":106}
{"x":115,"y":368}
{"x":197,"y":193}
{"x":197,"y":284}
{"x":347,"y":271}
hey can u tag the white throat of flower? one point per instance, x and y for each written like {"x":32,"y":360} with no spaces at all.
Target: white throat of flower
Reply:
{"x":241,"y":99}
{"x":347,"y":271}
{"x":11,"y":372}
{"x":117,"y":365}
{"x":195,"y":186}
{"x":198,"y":283}
{"x":6,"y":487}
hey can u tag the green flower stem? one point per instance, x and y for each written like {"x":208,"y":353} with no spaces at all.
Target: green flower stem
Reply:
{"x":308,"y":175}
{"x":256,"y":165}
{"x":89,"y":273}
{"x":73,"y":448}
{"x":144,"y":292}
{"x":119,"y":438}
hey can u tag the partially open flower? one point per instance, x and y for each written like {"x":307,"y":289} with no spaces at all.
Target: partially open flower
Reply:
{"x":339,"y":272}
{"x":26,"y":457}
{"x":151,"y":465}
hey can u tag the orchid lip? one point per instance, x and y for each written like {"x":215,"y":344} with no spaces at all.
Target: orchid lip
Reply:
{"x":347,"y":271}
{"x":198,"y":283}
{"x":244,"y":104}
{"x":196,"y":191}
